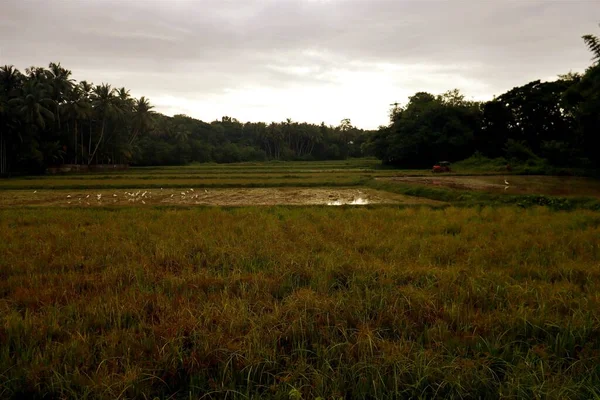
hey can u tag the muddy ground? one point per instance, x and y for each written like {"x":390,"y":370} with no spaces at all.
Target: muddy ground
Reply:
{"x":215,"y":197}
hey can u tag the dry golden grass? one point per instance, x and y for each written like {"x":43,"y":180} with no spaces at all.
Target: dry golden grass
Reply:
{"x":299,"y":302}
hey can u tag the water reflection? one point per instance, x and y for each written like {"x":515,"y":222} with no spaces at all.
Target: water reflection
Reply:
{"x":357,"y":201}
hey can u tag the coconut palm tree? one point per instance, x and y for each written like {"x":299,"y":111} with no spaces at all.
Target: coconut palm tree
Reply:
{"x":60,"y":84}
{"x":593,"y":43}
{"x":142,"y":117}
{"x":34,"y":104}
{"x":86,"y":92}
{"x":76,"y":108}
{"x":10,"y":81}
{"x":105,"y":106}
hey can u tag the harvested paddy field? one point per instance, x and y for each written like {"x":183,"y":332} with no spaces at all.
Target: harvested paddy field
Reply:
{"x":518,"y":184}
{"x":239,"y":282}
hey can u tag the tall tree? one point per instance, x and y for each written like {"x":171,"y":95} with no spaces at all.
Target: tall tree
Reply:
{"x":10,"y":81}
{"x":105,"y":106}
{"x":142,"y":117}
{"x":60,"y":83}
{"x":76,"y":108}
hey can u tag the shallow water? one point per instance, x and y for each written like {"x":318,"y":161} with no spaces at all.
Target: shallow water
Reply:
{"x":205,"y":196}
{"x":360,"y":201}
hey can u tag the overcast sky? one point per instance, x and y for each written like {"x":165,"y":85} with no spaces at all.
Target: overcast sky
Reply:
{"x":309,"y":60}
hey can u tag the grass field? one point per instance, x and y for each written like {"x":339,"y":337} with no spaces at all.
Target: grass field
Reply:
{"x":399,"y":298}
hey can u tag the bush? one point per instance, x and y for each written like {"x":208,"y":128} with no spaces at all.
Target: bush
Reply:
{"x":517,"y":151}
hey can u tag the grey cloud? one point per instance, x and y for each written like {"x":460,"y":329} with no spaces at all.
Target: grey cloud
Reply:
{"x":190,"y":48}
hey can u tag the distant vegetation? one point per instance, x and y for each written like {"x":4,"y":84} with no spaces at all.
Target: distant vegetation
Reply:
{"x":46,"y":118}
{"x":540,"y":124}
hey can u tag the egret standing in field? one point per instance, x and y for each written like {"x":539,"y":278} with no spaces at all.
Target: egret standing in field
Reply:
{"x":506,"y":182}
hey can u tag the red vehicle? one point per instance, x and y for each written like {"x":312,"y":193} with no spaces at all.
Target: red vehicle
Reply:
{"x":442,"y":166}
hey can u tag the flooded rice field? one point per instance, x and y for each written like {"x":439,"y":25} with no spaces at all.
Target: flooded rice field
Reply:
{"x":206,"y":197}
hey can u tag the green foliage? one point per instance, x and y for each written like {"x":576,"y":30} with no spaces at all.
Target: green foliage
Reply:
{"x":593,"y":43}
{"x":98,"y":124}
{"x":518,"y":151}
{"x":429,"y":129}
{"x":543,"y":124}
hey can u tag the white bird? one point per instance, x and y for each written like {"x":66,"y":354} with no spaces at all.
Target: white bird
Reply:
{"x":87,"y":196}
{"x":183,"y":193}
{"x":505,"y":187}
{"x":35,"y":191}
{"x":506,"y":182}
{"x":143,"y":194}
{"x":68,"y":196}
{"x":171,"y":195}
{"x":143,"y":202}
{"x":115,"y":195}
{"x":192,"y":190}
{"x":160,"y":188}
{"x":205,"y":191}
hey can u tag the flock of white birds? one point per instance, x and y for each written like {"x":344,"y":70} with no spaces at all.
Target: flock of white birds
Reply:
{"x":133,"y":197}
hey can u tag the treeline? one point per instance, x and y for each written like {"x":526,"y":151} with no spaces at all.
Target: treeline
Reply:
{"x":181,"y":139}
{"x":547,"y":123}
{"x":46,"y":118}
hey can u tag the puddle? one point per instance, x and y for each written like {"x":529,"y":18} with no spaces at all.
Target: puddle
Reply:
{"x":356,"y":202}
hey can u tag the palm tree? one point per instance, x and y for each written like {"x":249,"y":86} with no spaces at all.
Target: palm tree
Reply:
{"x":34,"y":104}
{"x":77,"y":107}
{"x":105,"y":106}
{"x":86,"y":92}
{"x":3,"y":117}
{"x":593,"y":43}
{"x":124,"y":98}
{"x":182,"y":134}
{"x":60,"y":84}
{"x":142,"y":117}
{"x":10,"y":80}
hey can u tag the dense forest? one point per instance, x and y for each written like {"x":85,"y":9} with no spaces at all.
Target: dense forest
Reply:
{"x":552,"y":123}
{"x":46,"y":118}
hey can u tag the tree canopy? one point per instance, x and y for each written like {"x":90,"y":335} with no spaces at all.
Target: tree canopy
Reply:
{"x":46,"y":118}
{"x":557,"y":122}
